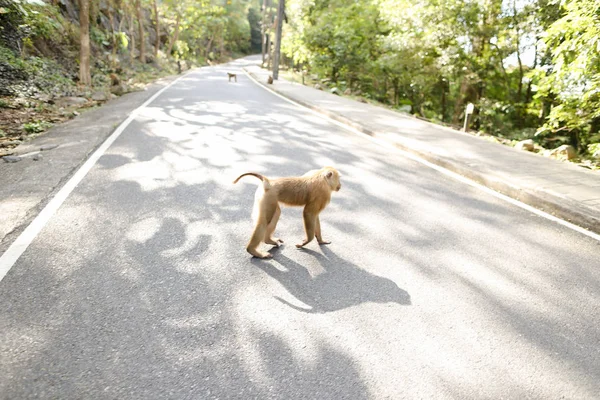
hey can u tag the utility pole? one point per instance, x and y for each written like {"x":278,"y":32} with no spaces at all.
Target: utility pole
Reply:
{"x":278,"y":39}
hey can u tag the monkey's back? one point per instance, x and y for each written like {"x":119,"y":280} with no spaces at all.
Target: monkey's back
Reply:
{"x":299,"y":191}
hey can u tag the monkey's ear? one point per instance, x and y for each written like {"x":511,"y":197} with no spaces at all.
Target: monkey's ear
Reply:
{"x":329,"y":174}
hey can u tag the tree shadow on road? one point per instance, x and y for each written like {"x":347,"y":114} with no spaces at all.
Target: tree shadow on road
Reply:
{"x":339,"y":285}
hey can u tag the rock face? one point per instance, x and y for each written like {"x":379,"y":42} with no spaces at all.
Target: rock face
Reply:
{"x":99,"y":96}
{"x":526,"y":145}
{"x":10,"y":143}
{"x":70,"y":101}
{"x":119,"y":89}
{"x":564,"y":152}
{"x":11,"y":159}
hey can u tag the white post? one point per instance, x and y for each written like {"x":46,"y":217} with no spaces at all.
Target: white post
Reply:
{"x":469,"y":110}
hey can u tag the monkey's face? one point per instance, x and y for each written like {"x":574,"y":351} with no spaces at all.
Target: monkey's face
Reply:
{"x":333,"y":177}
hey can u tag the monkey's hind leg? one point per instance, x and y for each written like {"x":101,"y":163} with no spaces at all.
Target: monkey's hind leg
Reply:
{"x":269,"y":239}
{"x":257,"y":237}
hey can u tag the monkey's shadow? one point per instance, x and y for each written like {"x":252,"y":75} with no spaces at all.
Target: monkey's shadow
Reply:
{"x":340,"y":285}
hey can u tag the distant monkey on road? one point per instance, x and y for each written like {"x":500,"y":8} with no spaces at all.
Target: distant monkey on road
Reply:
{"x":231,"y":75}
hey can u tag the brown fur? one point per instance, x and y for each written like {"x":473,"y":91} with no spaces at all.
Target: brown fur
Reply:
{"x":311,"y":190}
{"x":230,"y":75}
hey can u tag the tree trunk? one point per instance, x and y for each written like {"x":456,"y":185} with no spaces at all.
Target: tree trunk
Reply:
{"x":280,"y":11}
{"x":529,"y":92}
{"x":141,"y":32}
{"x":208,"y":46}
{"x":263,"y":30}
{"x":132,"y":47}
{"x":268,"y":54}
{"x":222,"y":44}
{"x":85,"y":76}
{"x":444,"y":85}
{"x":468,"y":94}
{"x":519,"y":98}
{"x":175,"y":35}
{"x":113,"y":34}
{"x":157,"y":45}
{"x":93,"y":12}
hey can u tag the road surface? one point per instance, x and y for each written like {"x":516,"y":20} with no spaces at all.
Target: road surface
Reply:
{"x":140,"y":287}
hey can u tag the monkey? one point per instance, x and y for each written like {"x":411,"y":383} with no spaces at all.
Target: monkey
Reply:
{"x":270,"y":80}
{"x":231,"y":75}
{"x":311,"y":190}
{"x":114,"y":79}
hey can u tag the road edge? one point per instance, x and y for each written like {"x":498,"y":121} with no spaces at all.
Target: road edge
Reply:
{"x":582,"y":216}
{"x":13,"y":244}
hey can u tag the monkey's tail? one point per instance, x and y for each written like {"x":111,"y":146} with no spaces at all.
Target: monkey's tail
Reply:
{"x":264,"y":179}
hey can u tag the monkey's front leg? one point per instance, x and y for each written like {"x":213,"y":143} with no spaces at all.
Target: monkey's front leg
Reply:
{"x":318,"y":233}
{"x":309,"y":227}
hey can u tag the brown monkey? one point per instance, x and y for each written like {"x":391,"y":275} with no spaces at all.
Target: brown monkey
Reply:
{"x":270,"y":80}
{"x":230,"y":75}
{"x":311,"y":190}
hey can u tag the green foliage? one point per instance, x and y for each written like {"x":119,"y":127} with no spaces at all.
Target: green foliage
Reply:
{"x":181,"y":50}
{"x":211,"y":26}
{"x":122,"y":40}
{"x":99,"y":36}
{"x":573,"y":82}
{"x":254,"y":20}
{"x":12,"y":27}
{"x":46,"y":22}
{"x":594,"y":150}
{"x":36,"y":127}
{"x":523,"y":63}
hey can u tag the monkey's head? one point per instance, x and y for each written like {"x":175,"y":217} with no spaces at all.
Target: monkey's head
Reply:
{"x":333,"y":178}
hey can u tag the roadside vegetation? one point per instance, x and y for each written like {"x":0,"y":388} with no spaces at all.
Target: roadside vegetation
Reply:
{"x":530,"y":67}
{"x":60,"y":57}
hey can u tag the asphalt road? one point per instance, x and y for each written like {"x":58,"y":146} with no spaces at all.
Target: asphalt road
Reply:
{"x":140,"y":287}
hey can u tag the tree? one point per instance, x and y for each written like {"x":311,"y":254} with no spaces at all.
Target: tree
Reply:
{"x":85,"y":76}
{"x":140,"y":21}
{"x":277,"y":52}
{"x":255,"y":30}
{"x":574,"y":79}
{"x":157,"y":19}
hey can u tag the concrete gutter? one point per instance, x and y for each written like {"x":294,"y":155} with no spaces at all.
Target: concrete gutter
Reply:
{"x":561,"y":206}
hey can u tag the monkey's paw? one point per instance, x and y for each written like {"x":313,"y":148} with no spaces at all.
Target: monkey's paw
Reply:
{"x":275,"y":242}
{"x":325,"y":242}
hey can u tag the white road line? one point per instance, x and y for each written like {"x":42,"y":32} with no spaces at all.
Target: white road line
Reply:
{"x":442,"y":170}
{"x":18,"y":247}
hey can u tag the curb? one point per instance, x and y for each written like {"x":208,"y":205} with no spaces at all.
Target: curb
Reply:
{"x":560,"y":207}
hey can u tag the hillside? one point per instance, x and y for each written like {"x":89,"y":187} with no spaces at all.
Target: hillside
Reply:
{"x":132,"y":43}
